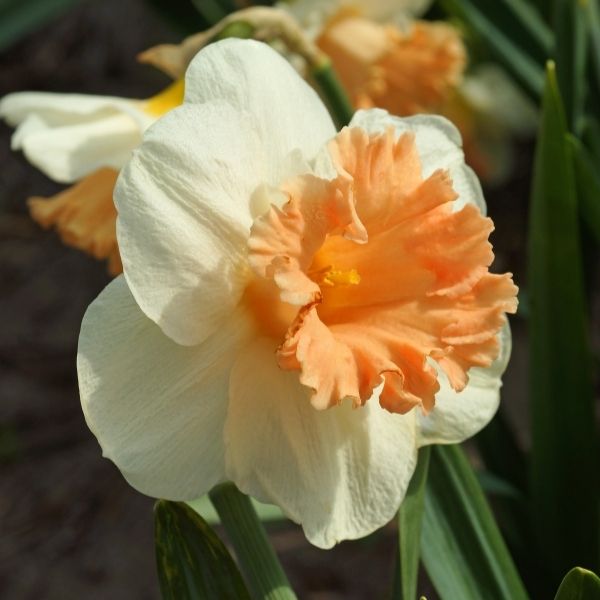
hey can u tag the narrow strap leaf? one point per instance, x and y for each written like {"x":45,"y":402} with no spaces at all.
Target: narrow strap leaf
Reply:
{"x":462,"y":549}
{"x":517,"y":61}
{"x":192,"y":562}
{"x":579,"y":584}
{"x":588,"y":187}
{"x":564,"y":493}
{"x":570,"y":55}
{"x":410,"y":518}
{"x":18,"y":18}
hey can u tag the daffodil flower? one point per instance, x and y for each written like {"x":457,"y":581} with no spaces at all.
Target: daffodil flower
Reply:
{"x":300,"y":309}
{"x":388,"y":58}
{"x":84,"y":139}
{"x":384,"y":57}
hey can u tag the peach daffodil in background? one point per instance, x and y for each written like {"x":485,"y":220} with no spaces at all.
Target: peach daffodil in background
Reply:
{"x":300,"y":309}
{"x":387,"y":58}
{"x":85,"y":140}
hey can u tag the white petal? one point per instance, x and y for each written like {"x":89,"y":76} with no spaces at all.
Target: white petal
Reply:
{"x":68,"y":153}
{"x":57,"y":110}
{"x":157,"y":409}
{"x":253,"y":78}
{"x":440,"y":147}
{"x":341,"y":473}
{"x":459,"y":416}
{"x":68,"y":136}
{"x":184,"y":217}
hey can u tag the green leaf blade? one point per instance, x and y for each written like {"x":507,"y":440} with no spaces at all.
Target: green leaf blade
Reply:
{"x":485,"y":19}
{"x":579,"y":584}
{"x":571,"y":54}
{"x":588,"y":187}
{"x":462,"y":548}
{"x":192,"y":561}
{"x":410,"y":518}
{"x":19,"y":17}
{"x":564,"y":460}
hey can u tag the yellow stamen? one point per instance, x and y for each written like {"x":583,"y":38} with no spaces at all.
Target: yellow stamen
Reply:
{"x":166,"y":100}
{"x":336,"y":277}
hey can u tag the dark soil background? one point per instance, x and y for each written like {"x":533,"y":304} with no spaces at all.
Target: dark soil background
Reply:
{"x":70,"y":527}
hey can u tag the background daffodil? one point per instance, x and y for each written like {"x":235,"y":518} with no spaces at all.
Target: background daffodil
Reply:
{"x":85,"y":140}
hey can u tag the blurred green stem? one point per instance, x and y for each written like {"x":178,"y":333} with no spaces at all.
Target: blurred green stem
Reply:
{"x":333,"y":91}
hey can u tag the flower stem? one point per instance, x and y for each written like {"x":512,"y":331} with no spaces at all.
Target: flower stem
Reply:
{"x":257,"y":558}
{"x":331,"y":87}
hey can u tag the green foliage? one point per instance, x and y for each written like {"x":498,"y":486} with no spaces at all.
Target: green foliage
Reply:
{"x":20,"y":17}
{"x":410,"y":518}
{"x":588,"y":187}
{"x":570,"y":55}
{"x":258,"y":560}
{"x":579,"y":584}
{"x":462,"y":549}
{"x":192,"y":562}
{"x":564,"y":463}
{"x":514,"y":34}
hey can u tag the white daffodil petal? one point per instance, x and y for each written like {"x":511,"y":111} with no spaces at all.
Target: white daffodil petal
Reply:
{"x":184,"y":217}
{"x":251,"y":77}
{"x":440,"y":147}
{"x":457,"y":416}
{"x":68,"y":136}
{"x":69,"y":153}
{"x":341,"y":473}
{"x":157,"y":408}
{"x":57,"y":110}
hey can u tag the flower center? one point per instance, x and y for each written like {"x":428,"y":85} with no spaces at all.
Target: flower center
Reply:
{"x":331,"y":277}
{"x":350,"y":314}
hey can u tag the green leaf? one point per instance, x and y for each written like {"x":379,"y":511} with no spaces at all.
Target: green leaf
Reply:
{"x":593,"y":22}
{"x":579,"y":584}
{"x":500,"y":25}
{"x":564,"y":459}
{"x":258,"y":560}
{"x":588,"y":187}
{"x":570,"y":54}
{"x":410,"y":518}
{"x":499,"y":448}
{"x":461,"y":547}
{"x":211,"y":10}
{"x":192,"y":562}
{"x":20,"y":17}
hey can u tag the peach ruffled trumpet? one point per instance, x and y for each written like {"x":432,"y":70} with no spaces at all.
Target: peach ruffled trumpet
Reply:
{"x":299,"y":308}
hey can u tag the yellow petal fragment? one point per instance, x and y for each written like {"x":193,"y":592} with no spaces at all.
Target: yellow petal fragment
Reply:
{"x":163,"y":102}
{"x":339,"y":277}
